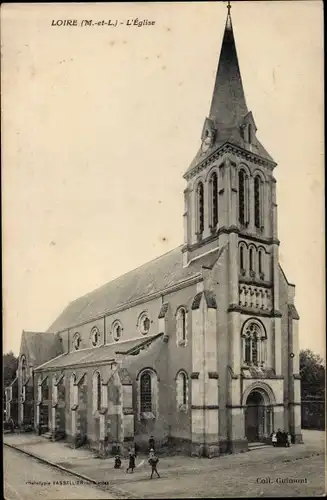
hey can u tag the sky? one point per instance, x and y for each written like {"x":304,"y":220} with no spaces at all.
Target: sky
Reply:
{"x":100,"y":123}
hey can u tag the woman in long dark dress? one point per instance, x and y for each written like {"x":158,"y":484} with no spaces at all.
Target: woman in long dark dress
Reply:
{"x":131,"y":463}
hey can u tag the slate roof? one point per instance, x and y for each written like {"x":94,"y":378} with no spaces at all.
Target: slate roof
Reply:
{"x":157,"y":275}
{"x":97,"y":354}
{"x":228,"y":104}
{"x":39,"y":347}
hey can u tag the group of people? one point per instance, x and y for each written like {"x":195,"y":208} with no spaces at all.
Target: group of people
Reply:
{"x":132,"y":454}
{"x":281,"y":438}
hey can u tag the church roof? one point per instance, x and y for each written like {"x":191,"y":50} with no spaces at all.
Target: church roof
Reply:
{"x":96,"y":355}
{"x":159,"y":274}
{"x":38,"y":347}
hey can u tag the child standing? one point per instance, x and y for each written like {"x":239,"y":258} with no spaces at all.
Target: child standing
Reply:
{"x":117,"y":462}
{"x":274,"y":438}
{"x":153,"y":461}
{"x":288,"y":440}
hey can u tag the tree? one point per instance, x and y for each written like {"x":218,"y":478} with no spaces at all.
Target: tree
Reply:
{"x":10,"y":365}
{"x":312,"y":371}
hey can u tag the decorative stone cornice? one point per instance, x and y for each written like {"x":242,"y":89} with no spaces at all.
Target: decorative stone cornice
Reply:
{"x":230,"y":230}
{"x":253,"y":311}
{"x":254,"y":282}
{"x":205,"y":407}
{"x":229,"y":148}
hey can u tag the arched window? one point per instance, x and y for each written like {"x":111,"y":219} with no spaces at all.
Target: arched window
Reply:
{"x":116,"y":330}
{"x":184,"y":387}
{"x":247,"y":357}
{"x":200,"y":208}
{"x":95,"y":336}
{"x":182,"y":391}
{"x":257,"y":202}
{"x":254,"y":343}
{"x":251,"y":259}
{"x":213,"y":186}
{"x":242,"y":266}
{"x":146,"y":392}
{"x":260,"y":264}
{"x":241,"y":197}
{"x":181,"y":326}
{"x":97,"y":388}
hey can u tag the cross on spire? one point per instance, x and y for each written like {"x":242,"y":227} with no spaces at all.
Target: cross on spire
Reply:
{"x":229,"y":7}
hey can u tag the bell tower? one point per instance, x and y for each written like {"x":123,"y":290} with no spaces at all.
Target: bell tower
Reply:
{"x":229,"y":183}
{"x":230,"y":202}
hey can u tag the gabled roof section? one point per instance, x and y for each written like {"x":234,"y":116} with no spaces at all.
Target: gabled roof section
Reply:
{"x":94,"y":355}
{"x":39,"y":347}
{"x":157,"y":275}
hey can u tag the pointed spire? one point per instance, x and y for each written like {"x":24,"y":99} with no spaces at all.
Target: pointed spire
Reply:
{"x":228,"y":105}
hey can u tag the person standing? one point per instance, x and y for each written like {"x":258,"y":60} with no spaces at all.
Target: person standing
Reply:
{"x":117,"y":462}
{"x":131,"y":462}
{"x":279,"y":437}
{"x":288,"y":440}
{"x":284,"y":438}
{"x":153,"y":461}
{"x":151,"y":443}
{"x":274,"y":439}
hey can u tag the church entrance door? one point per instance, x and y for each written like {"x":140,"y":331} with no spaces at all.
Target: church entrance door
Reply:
{"x":255,"y":417}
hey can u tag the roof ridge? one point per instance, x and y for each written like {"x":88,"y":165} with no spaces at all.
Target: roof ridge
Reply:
{"x":124,"y":274}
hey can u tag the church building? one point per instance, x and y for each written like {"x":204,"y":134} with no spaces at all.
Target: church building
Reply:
{"x":198,"y":348}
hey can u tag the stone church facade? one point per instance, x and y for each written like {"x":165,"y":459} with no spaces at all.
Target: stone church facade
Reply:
{"x":199,"y":347}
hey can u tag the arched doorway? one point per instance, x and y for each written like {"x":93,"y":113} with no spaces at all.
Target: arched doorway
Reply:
{"x":258,"y":416}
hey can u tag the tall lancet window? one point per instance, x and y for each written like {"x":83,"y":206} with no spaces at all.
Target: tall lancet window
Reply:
{"x":251,"y":261}
{"x":242,"y":267}
{"x":200,"y":208}
{"x":241,"y":196}
{"x":258,"y":202}
{"x":213,"y":186}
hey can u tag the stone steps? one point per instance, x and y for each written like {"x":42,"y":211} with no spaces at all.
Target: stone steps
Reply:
{"x":47,"y":435}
